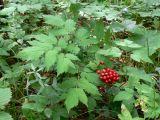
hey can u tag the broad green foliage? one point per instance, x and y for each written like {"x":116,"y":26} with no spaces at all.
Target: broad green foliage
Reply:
{"x":5,"y":96}
{"x":113,"y":52}
{"x":50,"y":51}
{"x":125,"y":115}
{"x":74,"y":96}
{"x":5,"y":116}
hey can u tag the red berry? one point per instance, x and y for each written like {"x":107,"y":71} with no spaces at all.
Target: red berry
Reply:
{"x":114,"y":78}
{"x":111,"y":76}
{"x":110,"y":73}
{"x":98,"y":72}
{"x":106,"y":74}
{"x":104,"y":70}
{"x":104,"y":77}
{"x":102,"y":74}
{"x":114,"y":74}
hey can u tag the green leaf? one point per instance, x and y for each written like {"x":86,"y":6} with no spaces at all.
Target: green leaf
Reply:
{"x":48,"y":112}
{"x":23,"y":8}
{"x":5,"y":116}
{"x":149,"y":39}
{"x":73,"y":49}
{"x":46,"y":38}
{"x":99,"y":29}
{"x":92,"y":103}
{"x":82,"y":96}
{"x":135,"y":72}
{"x":127,"y":43}
{"x":5,"y":96}
{"x":91,"y":77}
{"x":82,"y":34}
{"x":141,"y":55}
{"x":50,"y":58}
{"x":88,"y":87}
{"x":58,"y":112}
{"x":129,"y":24}
{"x":117,"y":27}
{"x":123,"y":95}
{"x":54,"y":20}
{"x":31,"y":53}
{"x":36,"y":103}
{"x":70,"y":26}
{"x":67,"y":84}
{"x":63,"y":64}
{"x":145,"y":89}
{"x":34,"y":107}
{"x":125,"y":114}
{"x":7,"y":11}
{"x":3,"y":52}
{"x":113,"y":51}
{"x":74,"y":96}
{"x":62,"y":43}
{"x":72,"y":56}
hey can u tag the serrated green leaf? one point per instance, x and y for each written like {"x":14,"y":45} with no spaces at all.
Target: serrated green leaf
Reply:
{"x":44,"y":46}
{"x":48,"y":112}
{"x":36,"y":103}
{"x":70,"y":26}
{"x":74,"y":96}
{"x":91,"y":77}
{"x":5,"y":116}
{"x":50,"y":58}
{"x":46,"y":38}
{"x":125,"y":114}
{"x":139,"y":74}
{"x":54,"y":20}
{"x":99,"y":29}
{"x":141,"y":55}
{"x":3,"y":52}
{"x":34,"y":107}
{"x":23,"y":8}
{"x":82,"y":34}
{"x":63,"y":64}
{"x":82,"y":96}
{"x":31,"y":53}
{"x":88,"y":87}
{"x":72,"y":82}
{"x":127,"y":43}
{"x":113,"y":51}
{"x":72,"y":99}
{"x":149,"y":39}
{"x":72,"y":56}
{"x":87,"y":42}
{"x":73,"y":48}
{"x":7,"y":11}
{"x":5,"y":96}
{"x":123,"y":95}
{"x":145,"y":89}
{"x":62,"y":43}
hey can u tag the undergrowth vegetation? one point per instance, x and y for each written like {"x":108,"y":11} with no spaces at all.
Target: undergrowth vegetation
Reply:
{"x":80,"y":60}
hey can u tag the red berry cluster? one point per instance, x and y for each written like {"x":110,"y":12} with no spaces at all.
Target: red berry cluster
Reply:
{"x":108,"y":75}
